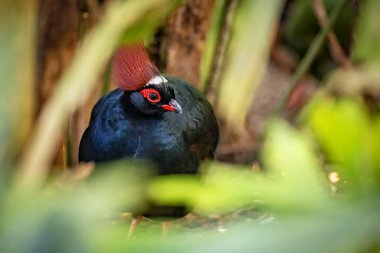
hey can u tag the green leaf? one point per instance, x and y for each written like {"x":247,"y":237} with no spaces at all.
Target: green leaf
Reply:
{"x":374,"y":140}
{"x":17,"y":68}
{"x":246,"y":58}
{"x":343,"y":130}
{"x":71,"y":218}
{"x":291,"y":164}
{"x":344,"y":228}
{"x":367,"y":39}
{"x":290,"y":158}
{"x":212,"y":41}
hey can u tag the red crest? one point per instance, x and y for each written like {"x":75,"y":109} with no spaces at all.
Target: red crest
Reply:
{"x":132,"y":67}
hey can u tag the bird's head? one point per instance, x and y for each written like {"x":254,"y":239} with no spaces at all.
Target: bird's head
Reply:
{"x":155,"y":99}
{"x":147,"y":90}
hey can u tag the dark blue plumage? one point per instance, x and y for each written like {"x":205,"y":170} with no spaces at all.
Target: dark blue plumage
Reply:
{"x":152,"y":117}
{"x":175,"y":142}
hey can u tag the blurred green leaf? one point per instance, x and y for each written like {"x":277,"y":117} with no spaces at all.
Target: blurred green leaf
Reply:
{"x":367,"y":39}
{"x":343,"y":130}
{"x":344,"y":228}
{"x":290,"y":158}
{"x":344,"y":116}
{"x":246,"y":58}
{"x":213,"y":40}
{"x":291,"y":164}
{"x":70,"y":218}
{"x":122,"y":183}
{"x":17,"y":44}
{"x":374,"y":140}
{"x":214,"y":194}
{"x":64,"y":221}
{"x":166,"y":190}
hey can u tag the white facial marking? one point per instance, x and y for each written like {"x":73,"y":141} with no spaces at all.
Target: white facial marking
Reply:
{"x":157,"y":80}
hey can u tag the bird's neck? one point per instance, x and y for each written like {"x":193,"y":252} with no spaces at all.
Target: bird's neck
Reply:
{"x":128,"y":106}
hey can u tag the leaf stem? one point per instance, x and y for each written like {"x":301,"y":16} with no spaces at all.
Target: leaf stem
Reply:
{"x":310,"y":56}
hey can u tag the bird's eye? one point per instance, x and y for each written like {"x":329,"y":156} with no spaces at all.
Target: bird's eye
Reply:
{"x":152,"y":95}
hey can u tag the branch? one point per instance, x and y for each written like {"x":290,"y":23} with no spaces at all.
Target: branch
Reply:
{"x":310,"y":56}
{"x":336,"y":49}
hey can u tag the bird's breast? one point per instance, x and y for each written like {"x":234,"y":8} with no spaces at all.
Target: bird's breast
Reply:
{"x":158,"y":140}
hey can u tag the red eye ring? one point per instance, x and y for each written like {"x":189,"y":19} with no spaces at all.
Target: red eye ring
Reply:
{"x":152,"y":95}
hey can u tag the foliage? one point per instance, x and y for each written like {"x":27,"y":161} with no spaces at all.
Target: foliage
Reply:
{"x":16,"y":42}
{"x":367,"y":45}
{"x":317,"y":191}
{"x":246,"y":57}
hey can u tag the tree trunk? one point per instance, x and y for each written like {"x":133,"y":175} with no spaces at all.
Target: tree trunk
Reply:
{"x":58,"y":34}
{"x":186,"y":34}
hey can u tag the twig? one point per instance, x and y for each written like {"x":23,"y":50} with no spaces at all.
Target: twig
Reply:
{"x":336,"y":49}
{"x":311,"y":54}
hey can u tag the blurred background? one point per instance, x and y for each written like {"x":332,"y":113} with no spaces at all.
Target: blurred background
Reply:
{"x":295,"y":85}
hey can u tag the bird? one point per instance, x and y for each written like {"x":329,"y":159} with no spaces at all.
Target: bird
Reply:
{"x":153,"y":117}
